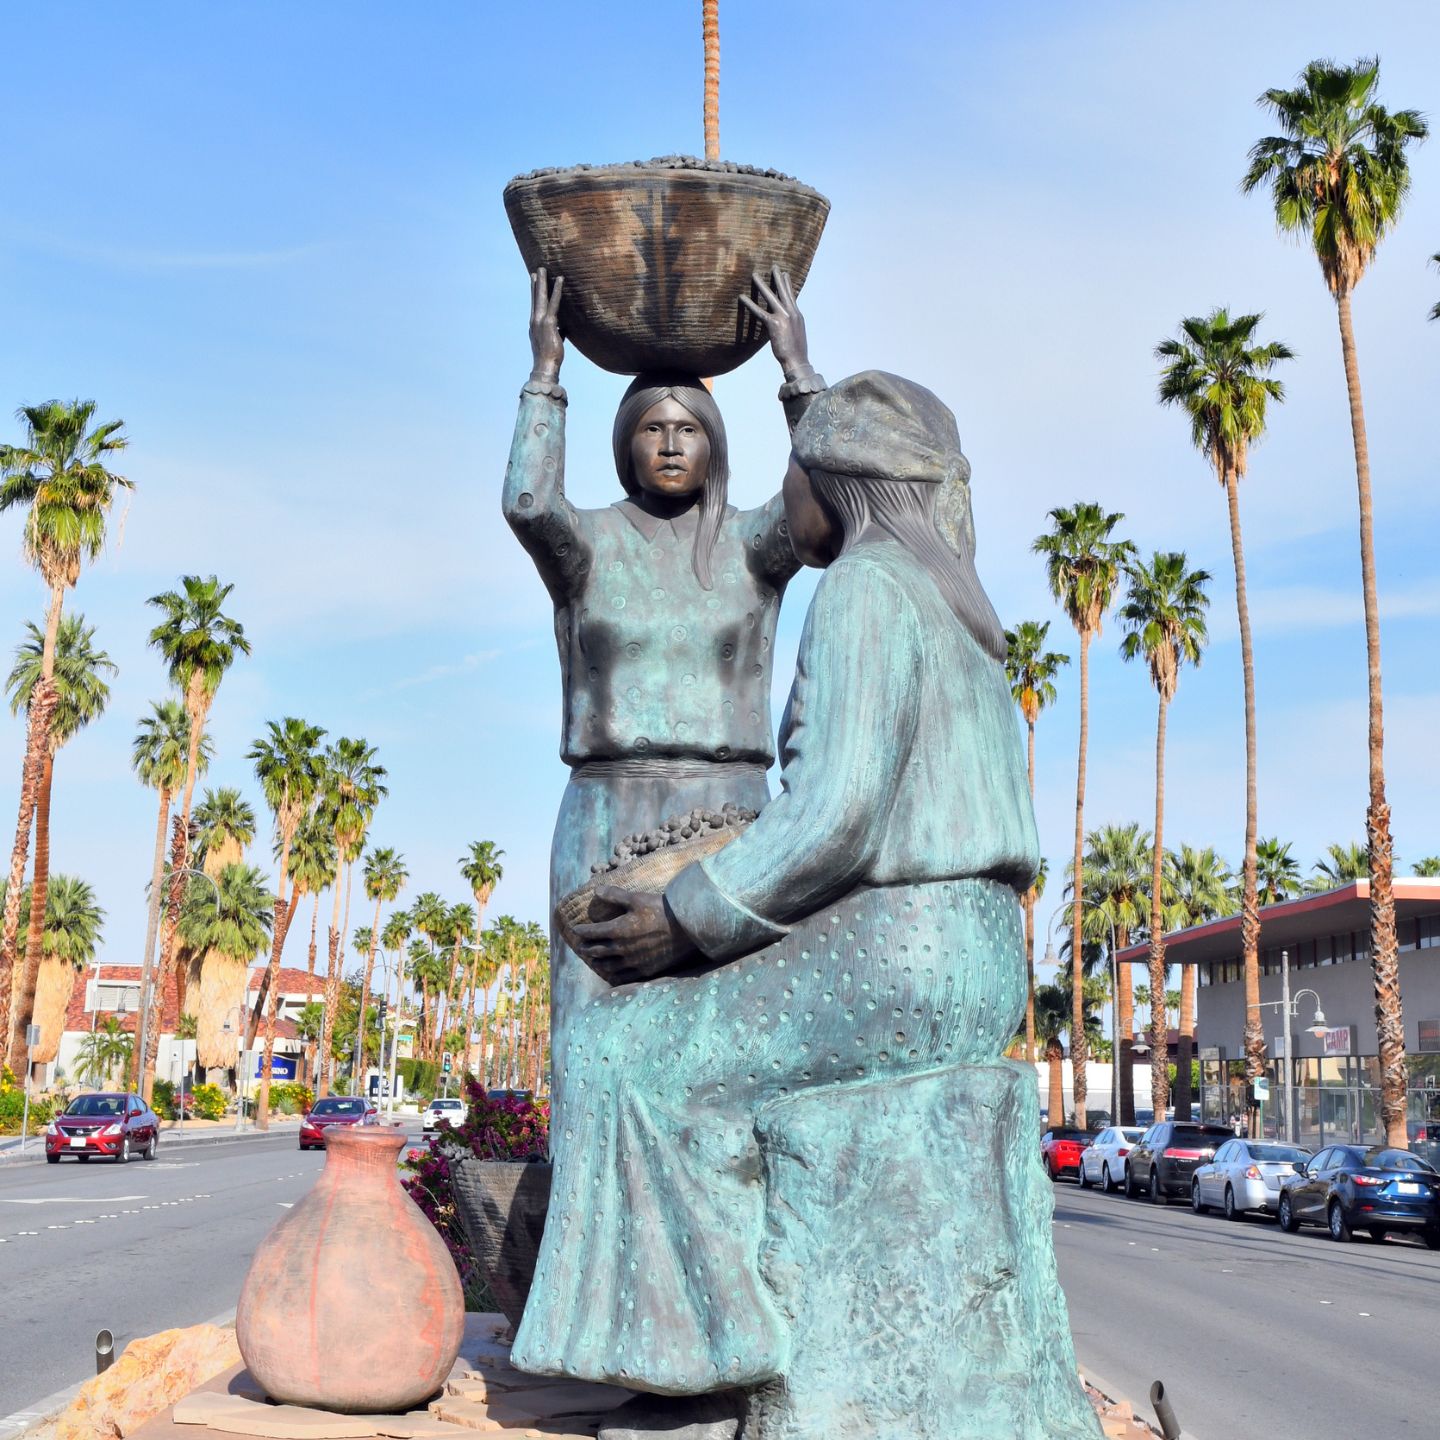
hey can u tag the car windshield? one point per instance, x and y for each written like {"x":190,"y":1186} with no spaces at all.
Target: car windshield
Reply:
{"x":445,"y":1104}
{"x":1130,"y":1132}
{"x":1397,"y":1160}
{"x":97,"y":1105}
{"x":1070,"y":1134}
{"x":1292,"y":1153}
{"x":1202,"y":1137}
{"x":339,"y":1107}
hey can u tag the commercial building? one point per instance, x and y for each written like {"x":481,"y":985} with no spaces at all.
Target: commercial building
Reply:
{"x":1336,"y":1072}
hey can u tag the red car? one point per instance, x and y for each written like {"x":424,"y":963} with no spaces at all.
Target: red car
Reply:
{"x":118,"y":1125}
{"x":1060,"y":1150}
{"x":334,"y":1110}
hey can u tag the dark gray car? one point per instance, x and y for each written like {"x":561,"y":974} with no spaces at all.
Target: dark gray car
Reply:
{"x":1168,"y":1155}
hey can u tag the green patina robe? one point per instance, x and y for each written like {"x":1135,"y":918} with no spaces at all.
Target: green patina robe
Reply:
{"x":867,"y":925}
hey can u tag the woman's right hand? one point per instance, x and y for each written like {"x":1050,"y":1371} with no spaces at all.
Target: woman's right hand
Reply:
{"x":782,"y":320}
{"x":547,"y":347}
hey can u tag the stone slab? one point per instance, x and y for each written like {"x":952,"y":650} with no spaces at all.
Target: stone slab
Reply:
{"x":237,"y":1415}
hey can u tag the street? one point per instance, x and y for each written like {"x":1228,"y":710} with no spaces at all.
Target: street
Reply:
{"x":1253,"y":1332}
{"x":131,"y":1248}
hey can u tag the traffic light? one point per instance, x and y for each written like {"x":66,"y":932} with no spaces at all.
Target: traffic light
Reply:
{"x":445,"y":1063}
{"x":381,"y":1019}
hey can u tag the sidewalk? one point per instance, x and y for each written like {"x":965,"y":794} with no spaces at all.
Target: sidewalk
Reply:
{"x":172,"y":1133}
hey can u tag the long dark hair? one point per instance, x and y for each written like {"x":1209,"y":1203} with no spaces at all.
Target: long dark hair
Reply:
{"x":905,"y":510}
{"x":648,"y":390}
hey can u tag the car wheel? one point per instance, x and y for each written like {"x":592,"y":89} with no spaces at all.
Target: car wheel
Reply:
{"x":1050,"y":1171}
{"x":1157,"y":1195}
{"x":123,"y":1158}
{"x":1431,"y":1236}
{"x":152,"y":1148}
{"x":1106,"y":1183}
{"x":1081,"y":1178}
{"x":1196,"y":1203}
{"x":1231,"y":1211}
{"x":1129,"y":1184}
{"x":1285,"y":1215}
{"x":1377,"y":1235}
{"x":1339,"y":1226}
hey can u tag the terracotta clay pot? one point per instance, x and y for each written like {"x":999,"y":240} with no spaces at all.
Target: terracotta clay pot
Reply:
{"x":352,"y":1302}
{"x":502,"y":1205}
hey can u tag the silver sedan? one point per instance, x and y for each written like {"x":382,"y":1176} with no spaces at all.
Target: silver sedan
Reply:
{"x":1244,"y":1175}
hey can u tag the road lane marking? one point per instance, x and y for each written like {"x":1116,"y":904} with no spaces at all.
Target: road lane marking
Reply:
{"x":286,"y":1204}
{"x":73,"y":1200}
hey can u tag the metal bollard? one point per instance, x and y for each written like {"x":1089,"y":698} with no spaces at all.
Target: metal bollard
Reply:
{"x":104,"y":1351}
{"x":1169,"y":1425}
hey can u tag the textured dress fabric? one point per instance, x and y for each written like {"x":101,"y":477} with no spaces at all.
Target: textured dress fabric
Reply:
{"x":867,"y":925}
{"x":666,"y":685}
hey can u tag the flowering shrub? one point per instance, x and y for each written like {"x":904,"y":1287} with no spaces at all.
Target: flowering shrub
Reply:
{"x":208,"y":1102}
{"x":506,"y":1129}
{"x":12,"y":1106}
{"x":290,"y":1097}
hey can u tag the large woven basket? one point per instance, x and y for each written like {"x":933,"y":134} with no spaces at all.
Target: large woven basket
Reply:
{"x":657,"y":255}
{"x":649,"y":873}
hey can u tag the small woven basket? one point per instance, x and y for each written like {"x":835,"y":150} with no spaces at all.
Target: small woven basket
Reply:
{"x":649,"y":874}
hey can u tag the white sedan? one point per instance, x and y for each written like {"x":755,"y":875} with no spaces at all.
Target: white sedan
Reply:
{"x":1244,"y":1175}
{"x":1103,"y":1163}
{"x":442,"y":1108}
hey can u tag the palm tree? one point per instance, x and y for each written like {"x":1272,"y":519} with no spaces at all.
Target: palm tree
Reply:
{"x":199,"y":643}
{"x":1426,"y":868}
{"x":1339,"y":865}
{"x":1197,"y":889}
{"x":1216,"y":373}
{"x":351,"y":787}
{"x":1277,"y":873}
{"x":487,"y":972}
{"x":1116,"y":878}
{"x":385,"y":876}
{"x":157,"y":755}
{"x":460,"y":931}
{"x":1338,"y":177}
{"x":1052,"y":1019}
{"x":314,"y":866}
{"x":229,"y":926}
{"x":106,"y":1048}
{"x":308,"y":1025}
{"x":71,"y":935}
{"x":222,"y":829}
{"x":1164,"y":620}
{"x":710,"y":30}
{"x":59,"y":476}
{"x":482,"y":870}
{"x":1435,"y":313}
{"x":287,"y":765}
{"x":1031,"y":670}
{"x":393,"y":940}
{"x":80,"y":696}
{"x":1083,"y":565}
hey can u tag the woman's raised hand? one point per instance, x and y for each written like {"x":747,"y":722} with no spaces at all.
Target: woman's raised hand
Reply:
{"x":782,"y":319}
{"x":547,"y":347}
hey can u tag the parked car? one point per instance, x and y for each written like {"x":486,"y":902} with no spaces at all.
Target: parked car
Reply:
{"x":1061,"y":1148}
{"x":118,"y":1125}
{"x":442,"y":1107}
{"x":1244,"y":1175}
{"x":335,"y":1110}
{"x":1168,"y":1154}
{"x":1347,"y":1188}
{"x":1102,"y":1163}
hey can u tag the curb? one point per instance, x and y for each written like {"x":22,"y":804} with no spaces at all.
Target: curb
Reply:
{"x":1116,"y":1394}
{"x":41,"y":1412}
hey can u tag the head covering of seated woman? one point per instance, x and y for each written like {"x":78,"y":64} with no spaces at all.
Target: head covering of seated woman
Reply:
{"x":878,"y":450}
{"x":651,"y":389}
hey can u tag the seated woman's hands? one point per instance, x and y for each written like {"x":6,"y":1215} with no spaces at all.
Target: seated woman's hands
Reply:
{"x":643,"y":942}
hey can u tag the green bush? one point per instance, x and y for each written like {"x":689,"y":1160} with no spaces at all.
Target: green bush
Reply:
{"x":208,"y":1102}
{"x":290,"y":1097}
{"x":162,"y":1099}
{"x":12,"y":1111}
{"x":420,"y":1076}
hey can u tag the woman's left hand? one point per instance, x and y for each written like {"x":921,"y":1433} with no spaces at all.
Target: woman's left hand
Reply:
{"x":641,"y":943}
{"x":782,"y":320}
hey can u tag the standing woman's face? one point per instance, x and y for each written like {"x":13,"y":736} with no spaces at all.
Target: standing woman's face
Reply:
{"x":669,"y":451}
{"x":814,"y":536}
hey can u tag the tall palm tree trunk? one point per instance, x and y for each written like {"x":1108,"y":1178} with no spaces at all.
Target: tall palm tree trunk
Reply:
{"x":1125,"y":1022}
{"x":332,"y":991}
{"x":1055,"y":1059}
{"x":484,"y":1041}
{"x":1159,"y":1028}
{"x":365,"y":994}
{"x":39,"y":894}
{"x":314,"y":924}
{"x":1249,"y":894}
{"x":710,"y":22}
{"x":1384,"y":951}
{"x":284,"y":910}
{"x":152,"y":927}
{"x":1079,"y":1046}
{"x":39,"y":714}
{"x":1029,"y":903}
{"x":1184,"y":1090}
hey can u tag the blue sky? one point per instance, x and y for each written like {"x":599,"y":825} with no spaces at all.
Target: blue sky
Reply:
{"x":270,"y":238}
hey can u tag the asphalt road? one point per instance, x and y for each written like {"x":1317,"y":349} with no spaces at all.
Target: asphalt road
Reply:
{"x":1253,"y":1332}
{"x":131,"y":1248}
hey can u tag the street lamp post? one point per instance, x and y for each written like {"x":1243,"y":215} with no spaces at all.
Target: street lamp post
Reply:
{"x":1077,"y":977}
{"x":1290,"y":1007}
{"x":146,"y":991}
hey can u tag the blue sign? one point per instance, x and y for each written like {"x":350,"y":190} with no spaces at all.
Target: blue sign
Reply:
{"x":282,"y":1067}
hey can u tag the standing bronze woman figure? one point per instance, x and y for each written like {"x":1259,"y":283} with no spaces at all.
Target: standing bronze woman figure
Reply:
{"x":665,"y":610}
